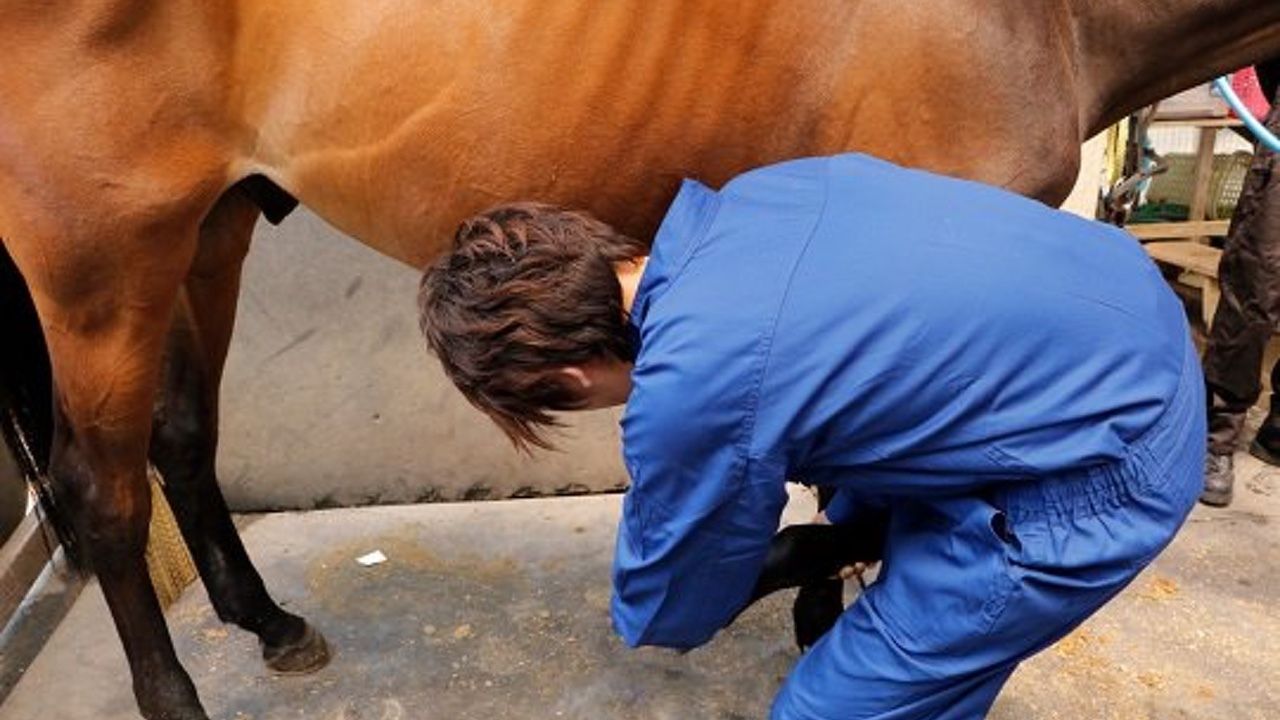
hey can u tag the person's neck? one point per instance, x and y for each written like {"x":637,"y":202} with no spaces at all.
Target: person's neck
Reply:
{"x":629,"y":273}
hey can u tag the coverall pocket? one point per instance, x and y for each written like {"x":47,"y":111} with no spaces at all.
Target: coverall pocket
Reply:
{"x":948,"y":572}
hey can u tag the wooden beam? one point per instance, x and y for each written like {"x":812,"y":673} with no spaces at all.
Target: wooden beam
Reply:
{"x":1198,"y":228}
{"x":22,"y":558}
{"x":1199,"y":259}
{"x":1213,"y":122}
{"x":1203,"y":176}
{"x":1199,"y":265}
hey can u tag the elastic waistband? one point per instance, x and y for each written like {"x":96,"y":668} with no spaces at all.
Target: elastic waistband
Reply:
{"x":1175,"y":442}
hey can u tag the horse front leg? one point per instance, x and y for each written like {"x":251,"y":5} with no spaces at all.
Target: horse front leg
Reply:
{"x":104,"y":308}
{"x":810,"y":557}
{"x":185,"y":436}
{"x":107,"y":491}
{"x":818,"y":604}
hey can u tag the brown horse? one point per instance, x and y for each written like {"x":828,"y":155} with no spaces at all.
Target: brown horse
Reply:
{"x":139,"y":142}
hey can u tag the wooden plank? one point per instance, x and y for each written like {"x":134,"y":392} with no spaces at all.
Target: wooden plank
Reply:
{"x":22,"y":559}
{"x":1202,"y":178}
{"x":1200,"y":270}
{"x":1210,"y":122}
{"x":1154,"y":231}
{"x":1194,"y":257}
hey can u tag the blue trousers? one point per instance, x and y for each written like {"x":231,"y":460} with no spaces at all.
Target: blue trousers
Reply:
{"x":970,"y":586}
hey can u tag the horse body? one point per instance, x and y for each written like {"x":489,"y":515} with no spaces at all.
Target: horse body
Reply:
{"x":134,"y":136}
{"x":605,"y":105}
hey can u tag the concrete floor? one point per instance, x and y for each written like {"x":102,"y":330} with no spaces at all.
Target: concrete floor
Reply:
{"x":498,"y":610}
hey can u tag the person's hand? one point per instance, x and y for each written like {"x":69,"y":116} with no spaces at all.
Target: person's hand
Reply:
{"x":856,"y":570}
{"x":847,"y":572}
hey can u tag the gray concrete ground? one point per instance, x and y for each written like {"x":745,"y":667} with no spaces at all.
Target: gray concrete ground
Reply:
{"x":498,"y":610}
{"x":330,"y":398}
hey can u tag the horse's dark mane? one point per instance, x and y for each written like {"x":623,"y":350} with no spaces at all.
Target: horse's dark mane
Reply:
{"x":26,"y":397}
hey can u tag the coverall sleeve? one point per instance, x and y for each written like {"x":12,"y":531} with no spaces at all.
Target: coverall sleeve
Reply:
{"x":695,"y":529}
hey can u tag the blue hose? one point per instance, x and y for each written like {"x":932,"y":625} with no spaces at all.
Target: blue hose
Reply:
{"x":1260,"y":131}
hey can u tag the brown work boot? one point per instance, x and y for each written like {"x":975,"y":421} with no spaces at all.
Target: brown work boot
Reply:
{"x":1219,"y":476}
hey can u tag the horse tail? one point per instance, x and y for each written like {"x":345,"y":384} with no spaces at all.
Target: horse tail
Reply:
{"x":26,"y":400}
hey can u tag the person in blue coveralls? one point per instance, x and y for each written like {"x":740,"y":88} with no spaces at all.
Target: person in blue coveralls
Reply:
{"x":1017,"y":385}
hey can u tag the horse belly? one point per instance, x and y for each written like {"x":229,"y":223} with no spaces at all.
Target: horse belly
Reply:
{"x":395,"y":121}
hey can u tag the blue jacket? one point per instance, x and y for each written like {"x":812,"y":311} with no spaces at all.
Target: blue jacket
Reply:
{"x":843,"y":321}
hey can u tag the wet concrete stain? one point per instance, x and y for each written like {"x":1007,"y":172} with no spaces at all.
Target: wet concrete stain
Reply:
{"x":335,"y":578}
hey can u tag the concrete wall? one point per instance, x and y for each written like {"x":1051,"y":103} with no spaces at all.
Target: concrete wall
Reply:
{"x":330,"y":397}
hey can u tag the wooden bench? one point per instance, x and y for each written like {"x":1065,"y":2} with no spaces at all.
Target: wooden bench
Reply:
{"x":1199,"y":265}
{"x":1188,"y":229}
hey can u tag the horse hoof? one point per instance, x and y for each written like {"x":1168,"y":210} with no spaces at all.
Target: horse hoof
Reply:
{"x":307,"y":655}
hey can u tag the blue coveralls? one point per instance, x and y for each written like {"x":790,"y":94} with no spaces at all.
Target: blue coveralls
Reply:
{"x":1017,"y":384}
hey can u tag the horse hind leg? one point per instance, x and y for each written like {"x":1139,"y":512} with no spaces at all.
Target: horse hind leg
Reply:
{"x":184,"y":442}
{"x":104,"y":306}
{"x":26,"y":415}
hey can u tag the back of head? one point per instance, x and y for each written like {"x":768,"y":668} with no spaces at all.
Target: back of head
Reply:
{"x":526,"y":290}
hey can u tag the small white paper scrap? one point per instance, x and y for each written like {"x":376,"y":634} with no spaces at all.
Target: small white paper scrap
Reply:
{"x":374,"y":558}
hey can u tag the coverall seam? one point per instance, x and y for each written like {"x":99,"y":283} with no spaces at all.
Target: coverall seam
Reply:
{"x":753,"y":398}
{"x":699,"y":236}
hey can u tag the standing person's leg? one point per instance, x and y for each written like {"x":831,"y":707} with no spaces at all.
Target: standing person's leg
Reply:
{"x":1249,"y":276}
{"x":1266,"y":444}
{"x":970,"y":587}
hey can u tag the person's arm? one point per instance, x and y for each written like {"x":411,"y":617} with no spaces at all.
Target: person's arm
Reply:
{"x":696,"y":526}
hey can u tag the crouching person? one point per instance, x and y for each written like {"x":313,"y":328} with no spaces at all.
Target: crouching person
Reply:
{"x":1015,"y":384}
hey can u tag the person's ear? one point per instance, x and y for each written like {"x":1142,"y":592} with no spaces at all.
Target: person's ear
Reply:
{"x":577,"y":377}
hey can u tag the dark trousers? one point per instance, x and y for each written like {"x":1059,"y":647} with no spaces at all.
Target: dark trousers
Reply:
{"x":1249,"y":312}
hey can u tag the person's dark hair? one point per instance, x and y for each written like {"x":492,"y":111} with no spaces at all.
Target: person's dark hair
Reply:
{"x":527,"y":289}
